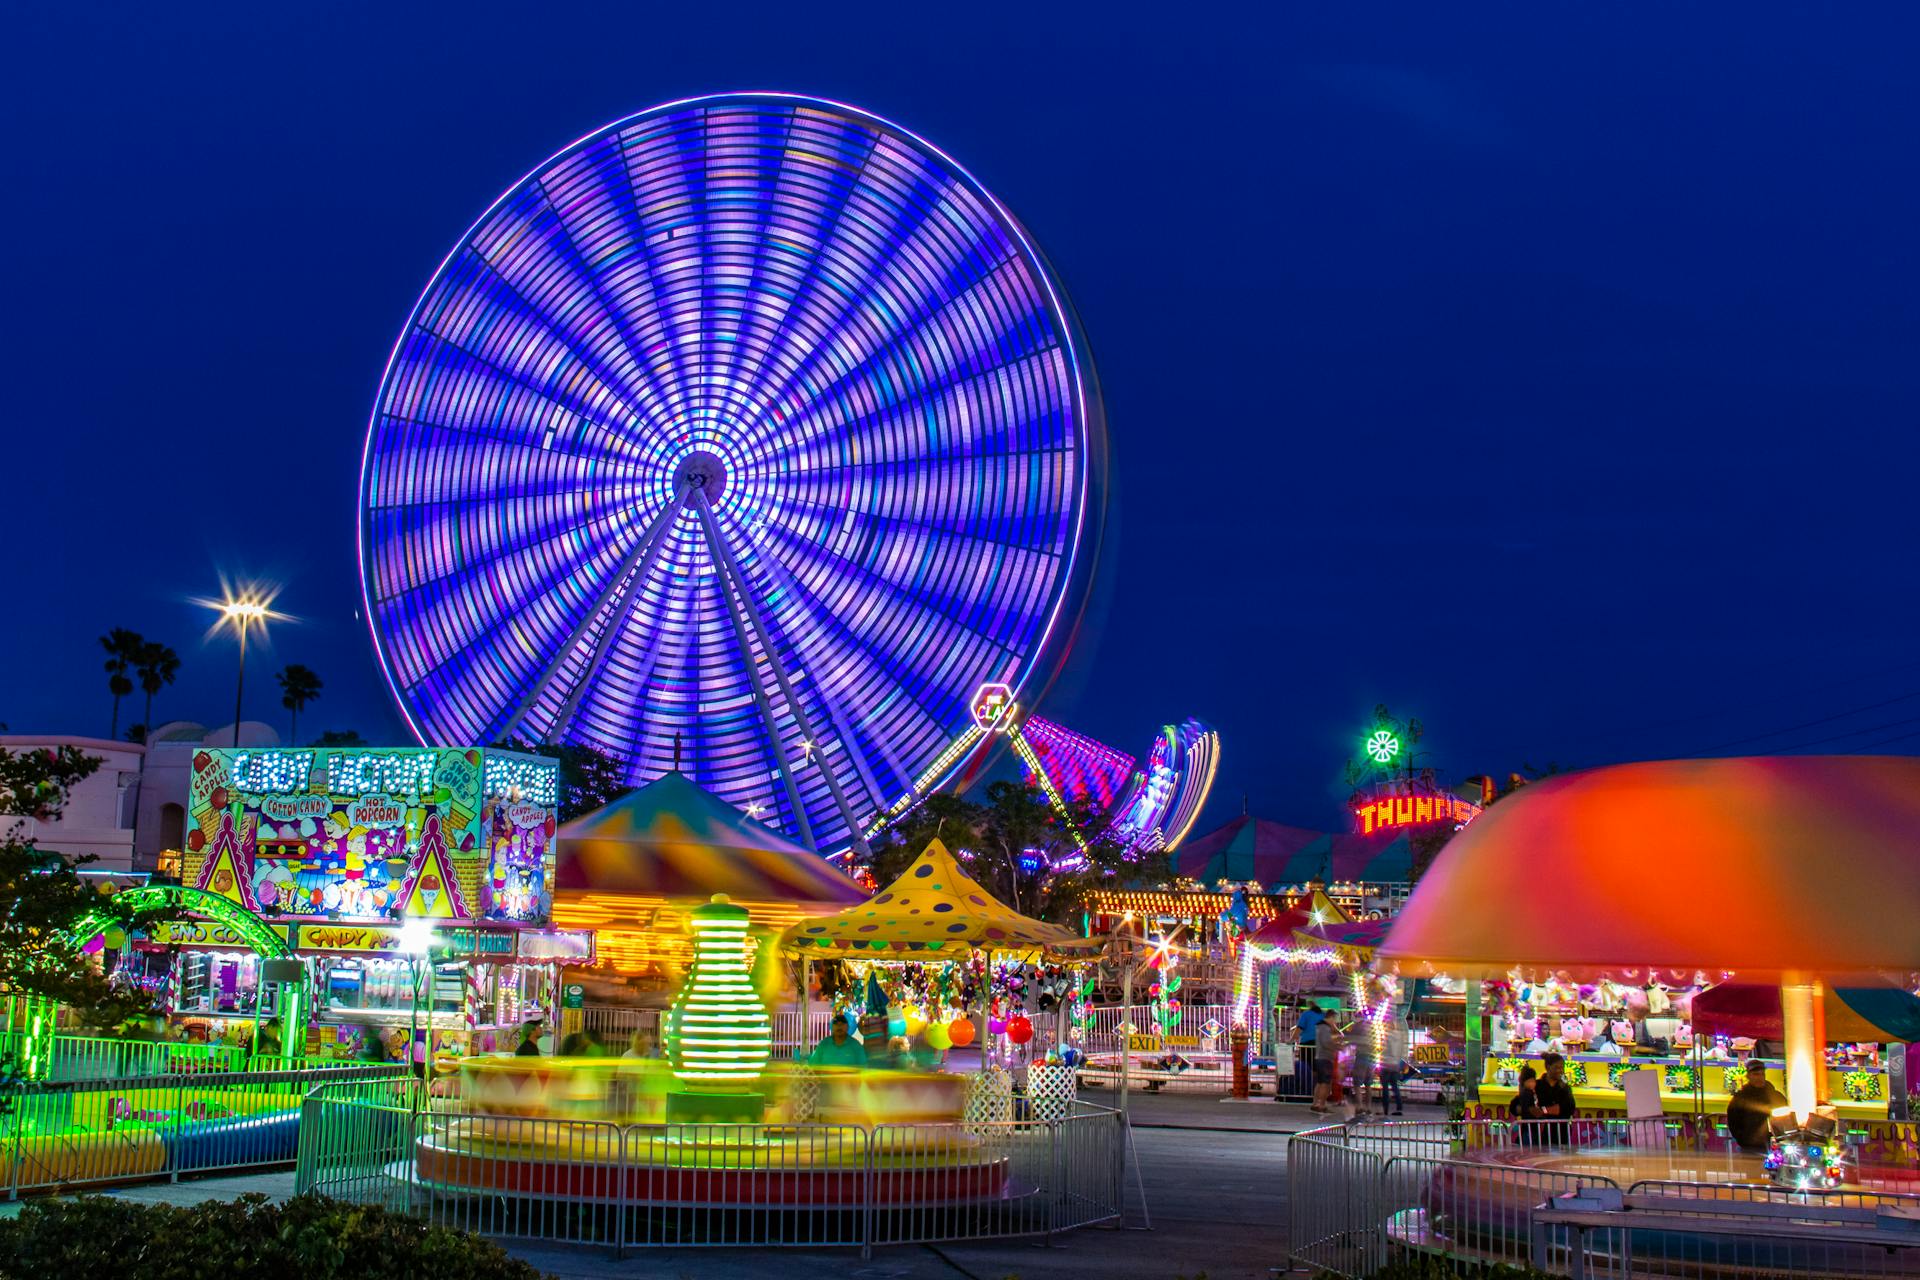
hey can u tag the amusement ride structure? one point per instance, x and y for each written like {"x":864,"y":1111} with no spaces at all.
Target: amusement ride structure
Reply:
{"x":750,"y":428}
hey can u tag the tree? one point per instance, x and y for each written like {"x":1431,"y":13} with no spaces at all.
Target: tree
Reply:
{"x":1021,"y":850}
{"x":123,"y":649}
{"x":137,"y":733}
{"x":589,"y":779}
{"x":298,"y":686}
{"x":156,"y":665}
{"x":341,"y":738}
{"x":42,"y":895}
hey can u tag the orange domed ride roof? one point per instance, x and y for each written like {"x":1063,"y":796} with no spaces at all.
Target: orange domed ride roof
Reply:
{"x":1762,"y":867}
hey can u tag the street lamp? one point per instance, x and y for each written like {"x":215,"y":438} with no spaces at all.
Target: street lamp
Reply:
{"x":415,"y":943}
{"x":241,"y":614}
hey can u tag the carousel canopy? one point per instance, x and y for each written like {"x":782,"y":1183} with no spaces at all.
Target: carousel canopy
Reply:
{"x":934,"y":906}
{"x":1270,"y":853}
{"x":1355,"y":941}
{"x":1855,"y":1015}
{"x":670,"y":839}
{"x":1764,"y":867}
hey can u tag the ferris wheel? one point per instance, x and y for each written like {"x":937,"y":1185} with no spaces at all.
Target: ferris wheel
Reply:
{"x":748,"y":436}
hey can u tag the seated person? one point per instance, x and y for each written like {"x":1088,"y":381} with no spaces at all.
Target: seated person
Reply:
{"x":1750,"y":1108}
{"x":837,"y":1048}
{"x":1606,"y":1048}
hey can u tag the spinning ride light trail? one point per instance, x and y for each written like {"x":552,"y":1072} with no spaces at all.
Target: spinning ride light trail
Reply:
{"x":1150,"y":802}
{"x":752,"y":423}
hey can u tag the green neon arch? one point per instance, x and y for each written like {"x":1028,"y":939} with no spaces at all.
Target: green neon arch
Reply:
{"x":252,"y":930}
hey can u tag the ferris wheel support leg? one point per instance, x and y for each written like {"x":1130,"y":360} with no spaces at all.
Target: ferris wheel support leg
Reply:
{"x":743,"y":636}
{"x":654,"y":535}
{"x":725,"y":558}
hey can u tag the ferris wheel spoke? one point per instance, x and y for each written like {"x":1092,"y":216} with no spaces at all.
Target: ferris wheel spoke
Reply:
{"x":919,"y":648}
{"x":724,"y":558}
{"x":968,"y":325}
{"x":546,"y":362}
{"x":821,"y":628}
{"x":627,"y":580}
{"x":616,"y":203}
{"x":550,"y":279}
{"x":480,"y":399}
{"x":840,"y":322}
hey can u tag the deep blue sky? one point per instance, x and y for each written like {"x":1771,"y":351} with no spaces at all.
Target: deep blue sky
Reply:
{"x":1549,"y":374}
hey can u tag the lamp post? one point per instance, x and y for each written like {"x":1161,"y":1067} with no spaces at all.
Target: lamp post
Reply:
{"x":242,"y":613}
{"x":416,"y":941}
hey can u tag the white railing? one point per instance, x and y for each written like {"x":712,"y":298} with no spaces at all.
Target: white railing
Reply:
{"x":1488,"y":1193}
{"x":682,"y":1185}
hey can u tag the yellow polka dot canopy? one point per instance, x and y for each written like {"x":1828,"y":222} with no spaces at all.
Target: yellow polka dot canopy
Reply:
{"x":933,"y":909}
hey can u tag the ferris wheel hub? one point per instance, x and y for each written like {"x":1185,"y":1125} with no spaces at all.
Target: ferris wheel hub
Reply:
{"x":703,"y":472}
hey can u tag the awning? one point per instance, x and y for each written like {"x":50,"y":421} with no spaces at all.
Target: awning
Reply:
{"x":1855,"y":1015}
{"x":933,"y":907}
{"x":670,"y":839}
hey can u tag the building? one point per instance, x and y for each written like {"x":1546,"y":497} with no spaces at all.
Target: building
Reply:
{"x":134,"y":806}
{"x":98,"y":820}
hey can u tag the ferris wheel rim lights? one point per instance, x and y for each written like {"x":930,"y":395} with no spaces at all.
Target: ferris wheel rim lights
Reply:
{"x":1037,"y":339}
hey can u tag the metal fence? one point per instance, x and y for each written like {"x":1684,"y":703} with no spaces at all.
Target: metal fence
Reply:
{"x":1476,"y":1193}
{"x":638,"y":1185}
{"x":75,"y":1133}
{"x":80,"y":1057}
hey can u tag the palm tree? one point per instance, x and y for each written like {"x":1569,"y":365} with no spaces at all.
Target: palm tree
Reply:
{"x":156,"y":664}
{"x":123,"y":648}
{"x":298,"y":686}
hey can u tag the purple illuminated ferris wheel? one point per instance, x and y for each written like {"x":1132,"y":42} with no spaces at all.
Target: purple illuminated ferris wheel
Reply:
{"x":749,"y":432}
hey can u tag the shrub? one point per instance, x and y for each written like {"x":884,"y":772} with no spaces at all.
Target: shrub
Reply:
{"x":307,"y":1238}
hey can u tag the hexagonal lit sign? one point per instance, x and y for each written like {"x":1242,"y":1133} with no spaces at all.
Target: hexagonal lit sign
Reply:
{"x":991,"y":706}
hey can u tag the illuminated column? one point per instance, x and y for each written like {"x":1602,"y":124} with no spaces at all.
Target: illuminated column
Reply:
{"x":721,"y":1035}
{"x":1802,"y":1016}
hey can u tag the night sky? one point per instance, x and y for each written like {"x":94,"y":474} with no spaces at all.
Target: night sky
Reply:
{"x":1546,"y":374}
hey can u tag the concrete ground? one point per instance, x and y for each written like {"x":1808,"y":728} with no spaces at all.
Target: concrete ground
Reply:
{"x":1213,"y":1172}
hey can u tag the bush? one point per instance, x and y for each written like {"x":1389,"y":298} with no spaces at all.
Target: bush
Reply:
{"x":307,"y":1238}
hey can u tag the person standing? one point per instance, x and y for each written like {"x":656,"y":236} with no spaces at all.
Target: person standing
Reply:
{"x":1303,"y":1036}
{"x":1555,"y":1096}
{"x":1326,"y":1065}
{"x":1751,"y":1108}
{"x":1393,"y":1064}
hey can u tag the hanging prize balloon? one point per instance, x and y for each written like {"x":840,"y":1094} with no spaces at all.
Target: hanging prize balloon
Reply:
{"x":1019,"y":1029}
{"x":960,"y":1032}
{"x":915,"y":1023}
{"x":937,"y":1037}
{"x":996,"y":1026}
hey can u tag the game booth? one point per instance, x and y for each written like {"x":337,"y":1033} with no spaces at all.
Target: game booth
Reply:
{"x":333,"y":852}
{"x":1780,"y":930}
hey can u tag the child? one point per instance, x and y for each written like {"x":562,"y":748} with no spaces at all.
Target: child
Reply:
{"x":1526,"y":1106}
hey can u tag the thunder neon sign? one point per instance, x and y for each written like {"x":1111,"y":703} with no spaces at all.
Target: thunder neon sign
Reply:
{"x":1387,"y":812}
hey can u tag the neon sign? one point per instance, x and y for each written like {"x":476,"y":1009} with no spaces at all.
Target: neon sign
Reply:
{"x":1386,"y":812}
{"x":1382,"y":747}
{"x":271,"y":772}
{"x":536,"y":781}
{"x":395,"y":772}
{"x":992,"y":706}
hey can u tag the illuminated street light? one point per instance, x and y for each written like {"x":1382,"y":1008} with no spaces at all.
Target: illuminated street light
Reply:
{"x":242,"y":613}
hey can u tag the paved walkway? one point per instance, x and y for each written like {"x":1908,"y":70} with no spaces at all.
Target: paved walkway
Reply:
{"x":1214,"y":1174}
